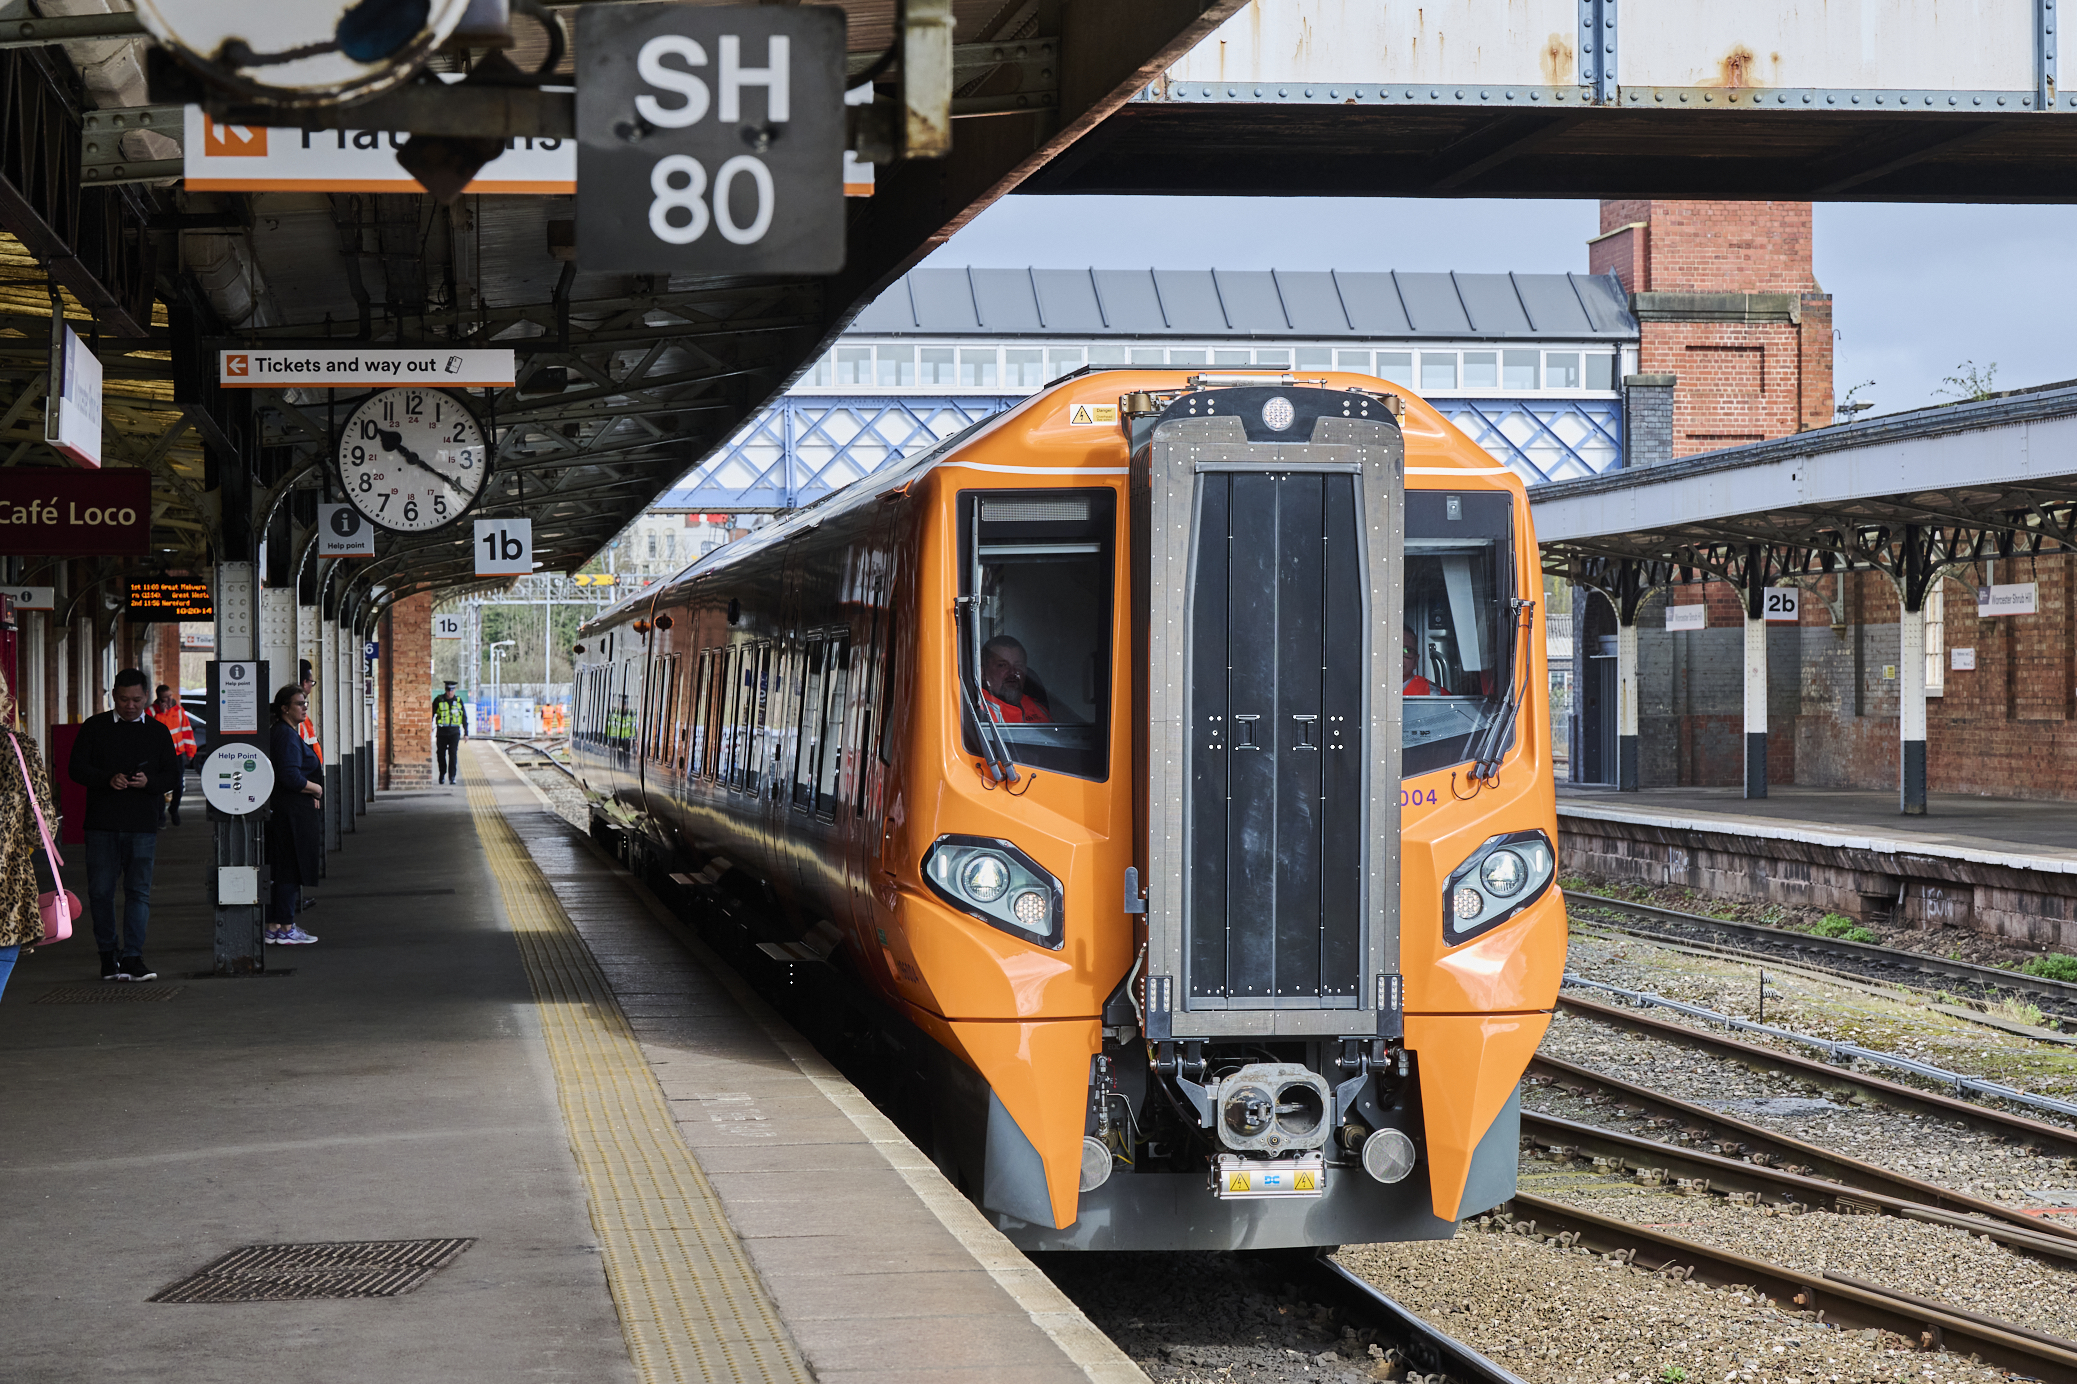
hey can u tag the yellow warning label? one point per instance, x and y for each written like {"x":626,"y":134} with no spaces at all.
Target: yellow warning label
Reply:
{"x":1306,"y":1182}
{"x":1237,"y":1182}
{"x":1085,"y":414}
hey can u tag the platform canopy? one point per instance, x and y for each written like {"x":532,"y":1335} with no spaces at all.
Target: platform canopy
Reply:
{"x":1907,"y":494}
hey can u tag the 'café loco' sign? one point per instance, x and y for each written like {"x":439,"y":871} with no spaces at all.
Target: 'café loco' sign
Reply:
{"x":51,"y":512}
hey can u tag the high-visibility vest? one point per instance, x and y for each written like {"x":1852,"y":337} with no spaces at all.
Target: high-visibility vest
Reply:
{"x":308,"y":730}
{"x":447,"y":711}
{"x":175,"y":719}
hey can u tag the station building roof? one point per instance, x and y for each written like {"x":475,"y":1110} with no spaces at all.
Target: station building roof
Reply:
{"x":1315,"y":304}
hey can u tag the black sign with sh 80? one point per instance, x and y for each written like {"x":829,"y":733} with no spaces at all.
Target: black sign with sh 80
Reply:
{"x":710,"y":139}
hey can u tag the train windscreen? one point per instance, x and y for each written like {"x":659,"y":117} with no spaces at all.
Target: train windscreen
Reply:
{"x":1457,"y":658}
{"x":1035,"y":627}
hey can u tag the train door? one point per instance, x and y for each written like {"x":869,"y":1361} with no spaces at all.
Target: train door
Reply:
{"x":857,"y":814}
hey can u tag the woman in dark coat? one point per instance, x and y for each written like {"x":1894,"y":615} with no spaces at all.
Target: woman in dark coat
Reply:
{"x":292,"y":829}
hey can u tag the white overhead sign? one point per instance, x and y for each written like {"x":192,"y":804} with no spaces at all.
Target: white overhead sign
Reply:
{"x":1687,"y":617}
{"x":343,"y":531}
{"x":504,"y":547}
{"x":251,"y":368}
{"x":1784,"y":605}
{"x":447,"y":626}
{"x":2017,"y":599}
{"x":261,"y":158}
{"x":31,"y":597}
{"x":72,"y":411}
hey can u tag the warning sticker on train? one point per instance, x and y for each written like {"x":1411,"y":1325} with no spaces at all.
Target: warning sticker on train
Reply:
{"x":1082,"y":415}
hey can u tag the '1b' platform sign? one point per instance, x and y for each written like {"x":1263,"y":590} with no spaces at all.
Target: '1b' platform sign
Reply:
{"x":710,"y":139}
{"x":504,"y":547}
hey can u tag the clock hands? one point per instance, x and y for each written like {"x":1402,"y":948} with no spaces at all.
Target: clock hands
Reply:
{"x":394,"y":442}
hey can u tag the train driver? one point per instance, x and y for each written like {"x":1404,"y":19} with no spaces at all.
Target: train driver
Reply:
{"x":1416,"y":685}
{"x":1008,"y":685}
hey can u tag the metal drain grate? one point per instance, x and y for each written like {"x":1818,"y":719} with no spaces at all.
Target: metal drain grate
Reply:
{"x":286,"y":1273}
{"x":107,"y":992}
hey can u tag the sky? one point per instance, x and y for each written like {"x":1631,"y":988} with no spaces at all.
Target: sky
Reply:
{"x":1916,"y":290}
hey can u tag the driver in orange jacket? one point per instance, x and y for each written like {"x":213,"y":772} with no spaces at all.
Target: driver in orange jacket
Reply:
{"x":168,"y":712}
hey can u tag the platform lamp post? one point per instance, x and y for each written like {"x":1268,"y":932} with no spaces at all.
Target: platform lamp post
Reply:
{"x":497,"y":655}
{"x":1755,"y":595}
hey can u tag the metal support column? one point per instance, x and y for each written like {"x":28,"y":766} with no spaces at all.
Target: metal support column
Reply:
{"x":1755,"y":672}
{"x":1911,"y":674}
{"x":328,"y":724}
{"x":348,"y":662}
{"x":239,"y":842}
{"x":1629,"y":595}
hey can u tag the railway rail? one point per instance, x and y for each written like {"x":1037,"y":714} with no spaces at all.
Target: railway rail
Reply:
{"x":1834,"y":1300}
{"x":1713,"y":1132}
{"x":1426,"y":1345}
{"x":2041,"y":1136}
{"x":1862,"y":960}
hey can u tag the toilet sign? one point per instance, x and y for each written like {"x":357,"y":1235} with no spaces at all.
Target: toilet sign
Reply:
{"x":504,"y":547}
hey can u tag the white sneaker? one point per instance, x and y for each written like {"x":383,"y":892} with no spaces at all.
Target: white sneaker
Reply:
{"x":296,"y":937}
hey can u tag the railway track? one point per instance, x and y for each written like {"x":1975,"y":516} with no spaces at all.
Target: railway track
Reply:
{"x":2036,"y":1134}
{"x":1759,"y":1149}
{"x":1832,"y":1299}
{"x":1428,"y":1347}
{"x":1984,"y":985}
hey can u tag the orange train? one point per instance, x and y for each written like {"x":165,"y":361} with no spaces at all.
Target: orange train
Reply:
{"x":1153,"y":779}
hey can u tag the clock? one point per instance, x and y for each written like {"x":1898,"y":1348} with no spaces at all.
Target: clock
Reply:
{"x":412,"y":459}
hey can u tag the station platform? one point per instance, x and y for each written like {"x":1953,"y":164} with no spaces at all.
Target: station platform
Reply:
{"x":501,"y":1040}
{"x":2003,"y":866}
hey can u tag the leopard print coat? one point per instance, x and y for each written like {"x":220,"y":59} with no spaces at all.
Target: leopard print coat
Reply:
{"x":20,"y":922}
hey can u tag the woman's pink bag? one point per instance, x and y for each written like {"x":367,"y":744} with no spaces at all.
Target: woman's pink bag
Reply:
{"x":60,"y":906}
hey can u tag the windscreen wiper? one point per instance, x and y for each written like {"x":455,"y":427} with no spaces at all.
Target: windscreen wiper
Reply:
{"x":1493,"y":744}
{"x":993,"y":746}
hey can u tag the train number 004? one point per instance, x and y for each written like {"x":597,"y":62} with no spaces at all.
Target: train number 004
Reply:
{"x":1416,"y":797}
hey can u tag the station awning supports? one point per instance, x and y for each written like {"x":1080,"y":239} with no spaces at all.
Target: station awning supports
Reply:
{"x":1911,"y":674}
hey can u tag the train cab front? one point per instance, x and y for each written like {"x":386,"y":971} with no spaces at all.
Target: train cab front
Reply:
{"x":1341,"y":900}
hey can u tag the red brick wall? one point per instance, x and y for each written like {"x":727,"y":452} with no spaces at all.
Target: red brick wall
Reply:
{"x":165,"y":656}
{"x":407,"y":693}
{"x":1738,"y":381}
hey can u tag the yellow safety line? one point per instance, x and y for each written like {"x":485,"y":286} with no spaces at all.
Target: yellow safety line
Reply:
{"x":690,"y":1305}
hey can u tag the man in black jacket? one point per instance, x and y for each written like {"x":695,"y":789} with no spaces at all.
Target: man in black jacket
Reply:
{"x":125,"y":760}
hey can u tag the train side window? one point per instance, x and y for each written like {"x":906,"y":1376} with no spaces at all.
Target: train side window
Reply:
{"x":1034,"y":649}
{"x":731,"y":706}
{"x":757,"y":666}
{"x":663,"y":707}
{"x":829,"y":743}
{"x":807,"y":712}
{"x":702,"y":702}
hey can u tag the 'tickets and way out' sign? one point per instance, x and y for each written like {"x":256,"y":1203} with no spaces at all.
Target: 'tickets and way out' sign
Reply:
{"x":50,"y":512}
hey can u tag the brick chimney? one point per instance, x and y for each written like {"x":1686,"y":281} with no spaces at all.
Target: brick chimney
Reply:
{"x":1732,"y":321}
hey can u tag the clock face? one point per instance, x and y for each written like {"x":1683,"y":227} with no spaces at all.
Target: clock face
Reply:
{"x":412,"y":459}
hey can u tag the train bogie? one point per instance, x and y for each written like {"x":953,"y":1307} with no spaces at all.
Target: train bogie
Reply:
{"x":1159,"y":770}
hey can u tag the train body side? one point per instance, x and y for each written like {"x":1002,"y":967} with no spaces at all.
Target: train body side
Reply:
{"x":842,"y":756}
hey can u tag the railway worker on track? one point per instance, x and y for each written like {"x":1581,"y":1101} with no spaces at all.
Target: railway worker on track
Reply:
{"x":450,"y":723}
{"x":1416,"y":685}
{"x":1007,"y":684}
{"x":168,"y":712}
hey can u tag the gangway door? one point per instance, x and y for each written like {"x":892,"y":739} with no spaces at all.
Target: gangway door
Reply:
{"x":1268,"y":566}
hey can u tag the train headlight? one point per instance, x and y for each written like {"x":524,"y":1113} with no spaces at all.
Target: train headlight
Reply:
{"x":1498,"y":880}
{"x":1278,"y":414}
{"x":1504,"y":873}
{"x":985,"y":878}
{"x":1388,"y":1155}
{"x":1000,"y":885}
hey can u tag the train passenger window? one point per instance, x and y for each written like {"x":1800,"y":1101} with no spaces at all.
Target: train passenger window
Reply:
{"x":807,"y":721}
{"x":829,"y":743}
{"x":728,"y":666}
{"x":1035,"y":637}
{"x":750,"y":720}
{"x":702,"y":706}
{"x":1458,"y":658}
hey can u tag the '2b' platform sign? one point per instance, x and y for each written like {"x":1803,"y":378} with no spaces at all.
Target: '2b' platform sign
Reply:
{"x":710,"y":139}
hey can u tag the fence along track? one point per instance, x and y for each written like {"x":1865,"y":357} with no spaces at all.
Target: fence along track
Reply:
{"x":2041,"y":1136}
{"x":1702,"y":1123}
{"x":1835,"y":1301}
